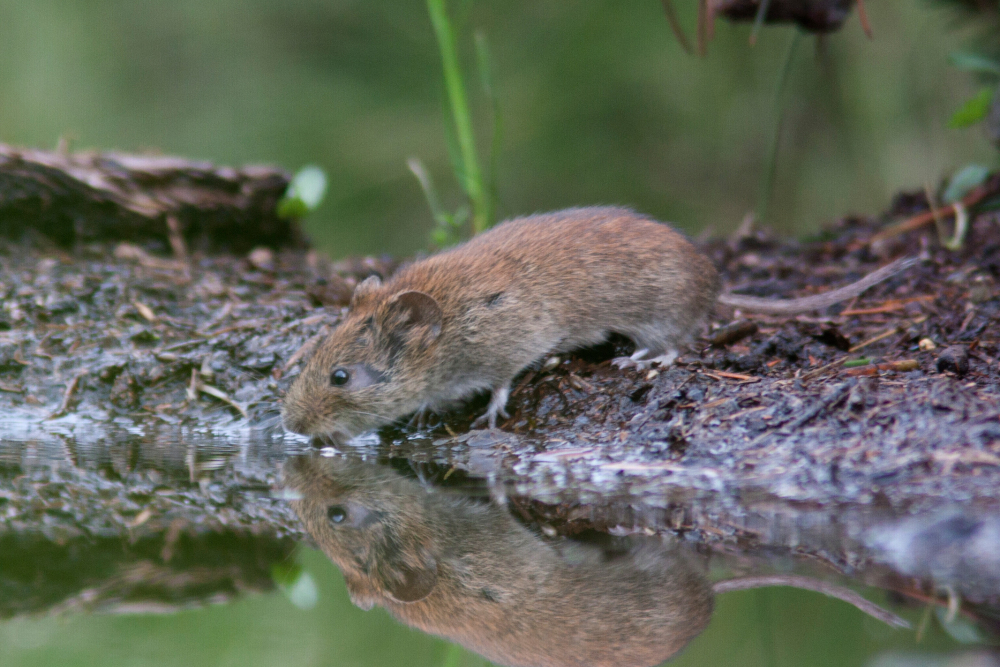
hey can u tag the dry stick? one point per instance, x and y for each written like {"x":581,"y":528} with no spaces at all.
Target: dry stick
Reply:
{"x":68,"y":395}
{"x":863,"y":17}
{"x":675,"y":26}
{"x":222,"y":396}
{"x":888,"y":306}
{"x":176,"y":237}
{"x":916,"y":222}
{"x":196,"y":385}
{"x":884,"y":334}
{"x":836,"y":396}
{"x":810,"y":584}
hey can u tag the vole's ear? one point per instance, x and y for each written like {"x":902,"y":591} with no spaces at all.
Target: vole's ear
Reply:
{"x":404,"y":582}
{"x":412,"y":310}
{"x":365,"y":288}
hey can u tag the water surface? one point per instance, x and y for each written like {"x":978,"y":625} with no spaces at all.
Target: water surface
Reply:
{"x":161,"y":545}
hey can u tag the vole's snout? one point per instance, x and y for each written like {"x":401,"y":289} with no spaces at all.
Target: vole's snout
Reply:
{"x":296,"y":424}
{"x":296,"y":419}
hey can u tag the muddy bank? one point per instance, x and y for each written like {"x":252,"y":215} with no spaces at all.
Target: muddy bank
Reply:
{"x":887,"y":399}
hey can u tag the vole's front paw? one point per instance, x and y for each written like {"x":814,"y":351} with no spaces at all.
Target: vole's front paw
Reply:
{"x":639,"y":362}
{"x":420,"y":418}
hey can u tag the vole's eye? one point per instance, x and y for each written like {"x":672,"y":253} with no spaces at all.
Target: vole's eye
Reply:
{"x":336,"y":514}
{"x":339,"y":377}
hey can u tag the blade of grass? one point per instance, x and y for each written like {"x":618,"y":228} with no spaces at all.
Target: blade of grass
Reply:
{"x":675,"y":26}
{"x":771,"y":165}
{"x":430,"y":192}
{"x":758,"y":21}
{"x":484,"y":61}
{"x":471,"y":175}
{"x":451,"y":143}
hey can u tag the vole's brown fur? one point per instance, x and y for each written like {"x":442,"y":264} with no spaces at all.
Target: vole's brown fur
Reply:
{"x":471,"y":318}
{"x":469,"y":572}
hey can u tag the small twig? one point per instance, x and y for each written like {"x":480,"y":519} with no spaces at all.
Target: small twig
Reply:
{"x":834,"y":397}
{"x":724,"y":375}
{"x":703,"y":19}
{"x":888,"y":306}
{"x":961,"y":227}
{"x":675,"y":26}
{"x":742,"y":413}
{"x":133,"y":253}
{"x":863,"y":17}
{"x":916,"y":222}
{"x":216,"y":393}
{"x":68,"y":395}
{"x":176,"y":237}
{"x":902,"y":366}
{"x":144,"y":310}
{"x":177,"y":346}
{"x":870,"y":341}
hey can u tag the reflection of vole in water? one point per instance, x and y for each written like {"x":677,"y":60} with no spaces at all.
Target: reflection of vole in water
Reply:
{"x":471,"y":318}
{"x":468,"y":572}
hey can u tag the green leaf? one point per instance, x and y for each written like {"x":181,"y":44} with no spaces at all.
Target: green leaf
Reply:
{"x":963,"y":181}
{"x":959,"y":628}
{"x":304,"y":193}
{"x":973,"y":111}
{"x":974,"y":62}
{"x":442,"y":237}
{"x":285,"y":573}
{"x":296,"y":584}
{"x":430,"y":192}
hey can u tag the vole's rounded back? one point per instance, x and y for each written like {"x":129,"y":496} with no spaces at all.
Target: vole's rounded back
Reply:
{"x":471,"y":318}
{"x":469,"y":572}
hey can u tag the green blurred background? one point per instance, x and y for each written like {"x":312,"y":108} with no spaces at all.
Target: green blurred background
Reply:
{"x":599,"y":104}
{"x":775,"y":627}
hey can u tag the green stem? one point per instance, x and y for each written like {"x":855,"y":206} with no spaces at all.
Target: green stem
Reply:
{"x":472,"y":177}
{"x":771,"y":165}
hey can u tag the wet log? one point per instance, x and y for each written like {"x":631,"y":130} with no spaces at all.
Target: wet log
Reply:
{"x":72,"y":198}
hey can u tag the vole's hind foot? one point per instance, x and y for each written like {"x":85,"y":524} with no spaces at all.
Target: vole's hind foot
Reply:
{"x":498,"y":403}
{"x":639,"y":362}
{"x":633,"y":361}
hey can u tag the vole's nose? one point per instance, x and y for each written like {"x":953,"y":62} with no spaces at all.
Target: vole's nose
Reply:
{"x":297,"y":421}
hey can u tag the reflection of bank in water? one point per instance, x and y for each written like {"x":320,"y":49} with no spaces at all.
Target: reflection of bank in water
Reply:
{"x":469,"y":572}
{"x":188,"y":568}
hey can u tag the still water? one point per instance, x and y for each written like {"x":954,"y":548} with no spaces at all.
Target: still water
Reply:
{"x":157,"y":545}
